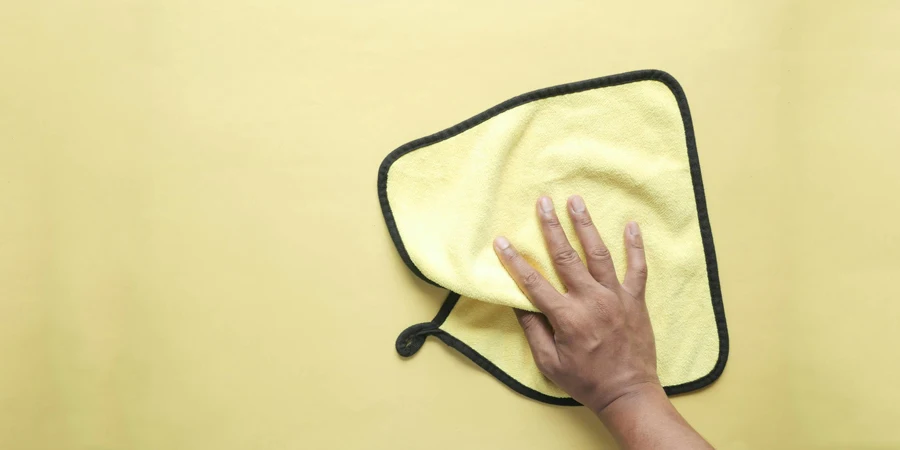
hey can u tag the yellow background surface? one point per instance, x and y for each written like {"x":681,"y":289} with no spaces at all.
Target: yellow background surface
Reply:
{"x":192,"y":253}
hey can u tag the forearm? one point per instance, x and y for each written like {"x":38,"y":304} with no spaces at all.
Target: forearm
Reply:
{"x":646,"y":419}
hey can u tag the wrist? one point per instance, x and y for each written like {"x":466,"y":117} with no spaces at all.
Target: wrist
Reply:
{"x":643,"y":417}
{"x":640,"y":398}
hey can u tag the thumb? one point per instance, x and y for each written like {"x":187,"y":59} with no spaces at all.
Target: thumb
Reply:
{"x":540,"y":338}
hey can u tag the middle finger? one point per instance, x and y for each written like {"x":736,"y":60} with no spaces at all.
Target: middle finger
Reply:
{"x":569,"y":267}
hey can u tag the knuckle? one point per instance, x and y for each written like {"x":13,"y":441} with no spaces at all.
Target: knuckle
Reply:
{"x":599,"y":253}
{"x":566,"y":257}
{"x":567,"y":321}
{"x":531,"y":279}
{"x":603,"y":311}
{"x":640,"y":270}
{"x":528,"y":321}
{"x":585,"y":221}
{"x":553,"y":222}
{"x":600,"y":311}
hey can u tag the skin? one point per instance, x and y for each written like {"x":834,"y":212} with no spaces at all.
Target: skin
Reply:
{"x":595,"y":341}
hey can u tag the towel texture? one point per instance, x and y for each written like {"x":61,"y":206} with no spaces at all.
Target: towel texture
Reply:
{"x":625,"y":143}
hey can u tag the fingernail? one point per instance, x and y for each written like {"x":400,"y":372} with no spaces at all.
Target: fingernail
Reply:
{"x":577,"y":204}
{"x":633,"y":229}
{"x":502,"y":243}
{"x":546,"y":204}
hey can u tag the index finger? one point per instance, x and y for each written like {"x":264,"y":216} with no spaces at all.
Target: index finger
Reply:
{"x":543,"y":295}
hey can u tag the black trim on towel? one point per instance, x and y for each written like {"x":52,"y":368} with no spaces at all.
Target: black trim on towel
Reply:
{"x":411,"y":339}
{"x":709,"y":248}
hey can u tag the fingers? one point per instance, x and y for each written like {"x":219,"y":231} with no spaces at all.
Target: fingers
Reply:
{"x":568,"y":264}
{"x":636,"y":275}
{"x":540,"y":339}
{"x":599,"y":261}
{"x":532,"y":283}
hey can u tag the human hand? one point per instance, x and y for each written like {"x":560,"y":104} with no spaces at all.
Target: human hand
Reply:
{"x":594,"y":341}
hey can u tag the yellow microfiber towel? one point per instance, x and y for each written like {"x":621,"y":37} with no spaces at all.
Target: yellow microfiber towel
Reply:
{"x":625,"y":143}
